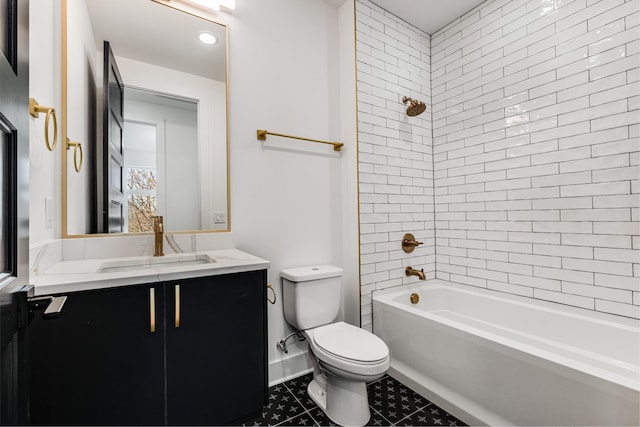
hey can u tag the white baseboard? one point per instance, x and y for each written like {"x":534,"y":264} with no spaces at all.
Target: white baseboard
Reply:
{"x":290,"y":367}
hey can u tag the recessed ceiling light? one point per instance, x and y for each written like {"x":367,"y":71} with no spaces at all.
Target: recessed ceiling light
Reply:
{"x":207,"y":38}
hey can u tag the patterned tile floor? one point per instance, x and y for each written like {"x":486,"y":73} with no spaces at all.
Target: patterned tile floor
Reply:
{"x":391,"y":403}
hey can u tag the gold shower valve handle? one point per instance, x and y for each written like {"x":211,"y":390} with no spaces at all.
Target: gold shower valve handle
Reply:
{"x":34,"y":110}
{"x":409,"y":243}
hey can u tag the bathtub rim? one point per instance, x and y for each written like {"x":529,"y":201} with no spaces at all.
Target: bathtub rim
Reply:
{"x":387,"y":297}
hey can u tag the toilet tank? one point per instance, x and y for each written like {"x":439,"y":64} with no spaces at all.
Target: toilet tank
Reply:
{"x":311,"y":295}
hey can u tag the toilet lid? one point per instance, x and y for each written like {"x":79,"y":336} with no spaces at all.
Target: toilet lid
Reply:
{"x":350,"y":342}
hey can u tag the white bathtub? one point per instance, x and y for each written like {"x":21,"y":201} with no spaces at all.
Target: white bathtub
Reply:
{"x":498,"y":359}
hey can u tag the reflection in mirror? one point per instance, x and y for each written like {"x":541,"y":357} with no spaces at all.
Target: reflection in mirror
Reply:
{"x":153,"y":184}
{"x":162,"y":147}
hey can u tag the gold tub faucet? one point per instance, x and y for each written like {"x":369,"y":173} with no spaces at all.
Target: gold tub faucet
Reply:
{"x":409,"y":271}
{"x":158,"y":230}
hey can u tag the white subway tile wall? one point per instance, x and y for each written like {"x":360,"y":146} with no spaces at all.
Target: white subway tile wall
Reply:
{"x":528,"y":154}
{"x":535,"y":122}
{"x":395,"y":151}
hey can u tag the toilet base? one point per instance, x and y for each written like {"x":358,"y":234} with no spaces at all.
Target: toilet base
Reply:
{"x":317,"y":391}
{"x":345,"y":402}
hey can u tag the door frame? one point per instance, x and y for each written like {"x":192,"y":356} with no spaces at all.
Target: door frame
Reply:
{"x":14,"y":114}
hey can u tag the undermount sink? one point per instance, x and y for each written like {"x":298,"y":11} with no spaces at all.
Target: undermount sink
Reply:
{"x":181,"y":260}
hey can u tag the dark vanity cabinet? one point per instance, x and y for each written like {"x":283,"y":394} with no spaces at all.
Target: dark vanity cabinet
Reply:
{"x":185,"y":352}
{"x":216,"y":349}
{"x":97,"y":362}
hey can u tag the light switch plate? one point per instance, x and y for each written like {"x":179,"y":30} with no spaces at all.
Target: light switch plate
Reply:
{"x":219,"y":217}
{"x":48,"y":212}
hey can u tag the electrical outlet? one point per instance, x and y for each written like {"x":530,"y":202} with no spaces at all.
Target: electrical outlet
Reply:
{"x":219,"y":217}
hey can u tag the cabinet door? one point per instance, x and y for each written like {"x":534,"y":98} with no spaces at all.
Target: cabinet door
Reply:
{"x":216,"y":353}
{"x":99,"y":362}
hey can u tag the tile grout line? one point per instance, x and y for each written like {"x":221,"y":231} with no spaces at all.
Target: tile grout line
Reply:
{"x":306,"y":411}
{"x":389,"y":423}
{"x":422,"y":408}
{"x":379,"y":414}
{"x":289,"y":418}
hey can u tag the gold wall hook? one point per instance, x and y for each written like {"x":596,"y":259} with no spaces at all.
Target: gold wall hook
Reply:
{"x":409,"y":243}
{"x":77,"y":147}
{"x":34,"y":110}
{"x":262,"y":136}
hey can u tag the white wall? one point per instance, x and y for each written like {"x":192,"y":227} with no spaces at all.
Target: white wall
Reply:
{"x":44,"y":86}
{"x":287,"y":195}
{"x":395,"y":151}
{"x":536,"y":151}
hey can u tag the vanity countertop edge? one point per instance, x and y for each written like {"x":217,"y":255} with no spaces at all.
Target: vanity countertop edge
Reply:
{"x":83,"y":275}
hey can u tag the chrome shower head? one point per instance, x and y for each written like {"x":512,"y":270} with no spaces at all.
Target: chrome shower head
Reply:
{"x":415,"y":107}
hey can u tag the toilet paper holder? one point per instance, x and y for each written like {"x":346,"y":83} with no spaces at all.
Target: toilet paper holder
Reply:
{"x":270,"y":287}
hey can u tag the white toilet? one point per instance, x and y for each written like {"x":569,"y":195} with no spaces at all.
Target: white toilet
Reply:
{"x":345,"y":357}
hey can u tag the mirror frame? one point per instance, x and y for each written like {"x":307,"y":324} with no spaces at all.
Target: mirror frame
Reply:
{"x":63,"y":126}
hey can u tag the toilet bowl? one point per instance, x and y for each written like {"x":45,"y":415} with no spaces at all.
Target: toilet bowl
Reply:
{"x":344,"y":348}
{"x":345,"y":359}
{"x":344,"y":356}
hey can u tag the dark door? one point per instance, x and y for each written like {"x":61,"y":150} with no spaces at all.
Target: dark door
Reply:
{"x":101,"y":362}
{"x":14,"y":205}
{"x":216,"y":361}
{"x":112,"y":154}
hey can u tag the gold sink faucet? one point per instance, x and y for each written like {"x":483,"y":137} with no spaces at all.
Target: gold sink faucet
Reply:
{"x":409,"y":271}
{"x":158,"y":230}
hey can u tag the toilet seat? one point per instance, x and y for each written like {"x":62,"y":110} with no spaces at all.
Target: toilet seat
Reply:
{"x":349,"y":348}
{"x":350,"y":343}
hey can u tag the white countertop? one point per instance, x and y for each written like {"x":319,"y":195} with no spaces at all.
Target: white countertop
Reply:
{"x":81,"y":275}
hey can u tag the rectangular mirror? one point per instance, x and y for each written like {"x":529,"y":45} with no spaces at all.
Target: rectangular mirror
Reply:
{"x":155,"y":141}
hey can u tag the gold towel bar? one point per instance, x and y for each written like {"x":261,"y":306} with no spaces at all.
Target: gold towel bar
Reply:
{"x":262,"y":136}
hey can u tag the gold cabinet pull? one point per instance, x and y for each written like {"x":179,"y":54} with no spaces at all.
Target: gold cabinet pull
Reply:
{"x":152,"y":310}
{"x":177,"y":319}
{"x":34,"y":110}
{"x":77,"y":147}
